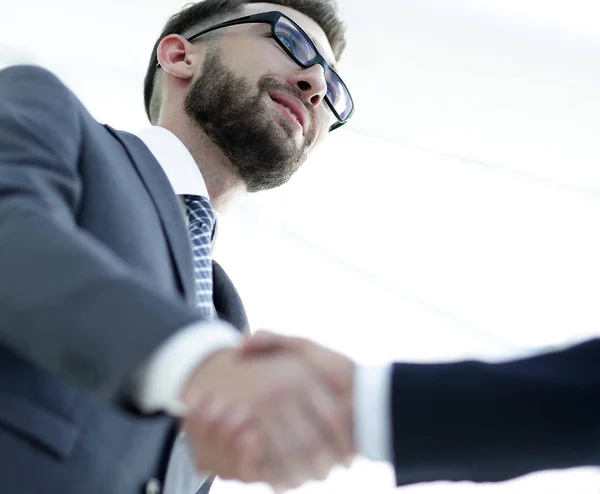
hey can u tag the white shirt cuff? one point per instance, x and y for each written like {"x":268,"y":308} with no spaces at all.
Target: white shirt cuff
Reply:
{"x":158,"y":385}
{"x":372,"y":421}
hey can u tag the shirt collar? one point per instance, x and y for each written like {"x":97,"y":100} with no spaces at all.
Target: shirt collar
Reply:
{"x":177,"y":163}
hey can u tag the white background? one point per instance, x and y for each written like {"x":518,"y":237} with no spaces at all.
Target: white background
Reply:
{"x":456,"y":216}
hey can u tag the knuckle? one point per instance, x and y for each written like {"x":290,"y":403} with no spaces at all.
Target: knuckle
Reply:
{"x":249,"y":442}
{"x":226,"y":475}
{"x":320,"y":474}
{"x":294,"y":479}
{"x":323,"y":464}
{"x":238,"y":421}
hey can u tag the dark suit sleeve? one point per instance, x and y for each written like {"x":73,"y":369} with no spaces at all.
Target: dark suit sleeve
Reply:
{"x":491,"y":422}
{"x":67,"y":304}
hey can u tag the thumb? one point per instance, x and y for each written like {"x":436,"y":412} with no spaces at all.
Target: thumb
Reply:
{"x":265,"y":342}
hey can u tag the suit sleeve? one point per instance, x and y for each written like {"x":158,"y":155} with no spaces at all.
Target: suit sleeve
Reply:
{"x":492,"y":422}
{"x":67,"y":304}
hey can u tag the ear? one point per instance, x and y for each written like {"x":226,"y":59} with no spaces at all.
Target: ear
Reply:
{"x":176,"y":56}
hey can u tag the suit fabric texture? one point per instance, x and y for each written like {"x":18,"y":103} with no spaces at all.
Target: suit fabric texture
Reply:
{"x":490,"y":422}
{"x":95,"y":273}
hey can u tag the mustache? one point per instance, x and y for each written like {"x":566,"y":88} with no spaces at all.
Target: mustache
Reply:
{"x":269,"y":83}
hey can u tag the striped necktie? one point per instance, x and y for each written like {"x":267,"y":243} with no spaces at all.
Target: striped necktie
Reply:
{"x":201,"y":226}
{"x":182,"y":477}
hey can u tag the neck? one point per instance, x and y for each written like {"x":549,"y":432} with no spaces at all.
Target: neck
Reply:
{"x":224,"y":185}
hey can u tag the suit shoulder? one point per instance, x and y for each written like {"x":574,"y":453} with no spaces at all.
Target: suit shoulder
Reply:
{"x":35,"y":102}
{"x":37,"y":89}
{"x":30,"y":75}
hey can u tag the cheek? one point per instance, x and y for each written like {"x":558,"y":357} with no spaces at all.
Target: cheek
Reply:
{"x":324,"y":120}
{"x":247,"y":58}
{"x":257,"y":70}
{"x":322,"y":132}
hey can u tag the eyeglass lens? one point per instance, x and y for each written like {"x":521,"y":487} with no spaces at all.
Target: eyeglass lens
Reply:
{"x":303,"y":50}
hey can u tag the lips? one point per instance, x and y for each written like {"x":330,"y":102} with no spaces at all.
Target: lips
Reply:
{"x":293,"y":106}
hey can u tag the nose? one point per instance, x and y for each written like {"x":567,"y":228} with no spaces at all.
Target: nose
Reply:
{"x":311,"y":81}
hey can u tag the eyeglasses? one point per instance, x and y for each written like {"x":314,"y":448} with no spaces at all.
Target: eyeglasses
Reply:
{"x":296,"y":43}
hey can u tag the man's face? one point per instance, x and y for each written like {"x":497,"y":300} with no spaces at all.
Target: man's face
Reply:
{"x":261,"y":108}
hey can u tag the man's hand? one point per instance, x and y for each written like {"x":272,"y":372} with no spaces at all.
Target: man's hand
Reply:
{"x":261,"y":414}
{"x":335,"y":369}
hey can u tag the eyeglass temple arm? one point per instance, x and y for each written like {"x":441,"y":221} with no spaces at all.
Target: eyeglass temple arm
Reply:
{"x":250,"y":19}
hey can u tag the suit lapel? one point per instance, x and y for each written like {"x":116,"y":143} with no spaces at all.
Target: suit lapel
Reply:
{"x":227,"y":300}
{"x":167,"y":206}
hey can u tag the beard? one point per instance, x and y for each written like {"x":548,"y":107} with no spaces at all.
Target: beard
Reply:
{"x":236,"y":117}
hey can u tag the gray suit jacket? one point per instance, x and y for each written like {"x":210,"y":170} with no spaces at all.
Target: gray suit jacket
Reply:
{"x":95,"y":273}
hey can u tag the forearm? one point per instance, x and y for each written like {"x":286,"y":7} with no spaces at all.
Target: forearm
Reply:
{"x":67,"y":302}
{"x":491,"y":422}
{"x":73,"y":308}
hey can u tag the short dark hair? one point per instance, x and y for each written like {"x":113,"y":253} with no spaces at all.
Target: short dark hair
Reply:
{"x":197,"y":15}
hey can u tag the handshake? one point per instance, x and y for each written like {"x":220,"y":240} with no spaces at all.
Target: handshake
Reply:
{"x":277,"y":410}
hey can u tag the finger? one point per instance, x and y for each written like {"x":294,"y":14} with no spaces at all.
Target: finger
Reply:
{"x":334,"y":420}
{"x":233,"y":436}
{"x":268,"y":341}
{"x":198,"y":433}
{"x":200,"y":417}
{"x":253,"y":347}
{"x":265,"y":333}
{"x":319,"y":456}
{"x":311,"y":456}
{"x":262,"y":342}
{"x":275,"y":468}
{"x":211,"y":428}
{"x":334,"y":370}
{"x":248,"y":445}
{"x":285,"y":465}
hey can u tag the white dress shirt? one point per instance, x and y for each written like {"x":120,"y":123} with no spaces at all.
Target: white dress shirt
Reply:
{"x":159,"y":385}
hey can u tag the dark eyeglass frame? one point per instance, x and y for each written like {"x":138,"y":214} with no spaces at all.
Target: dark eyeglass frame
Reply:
{"x":271,"y":18}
